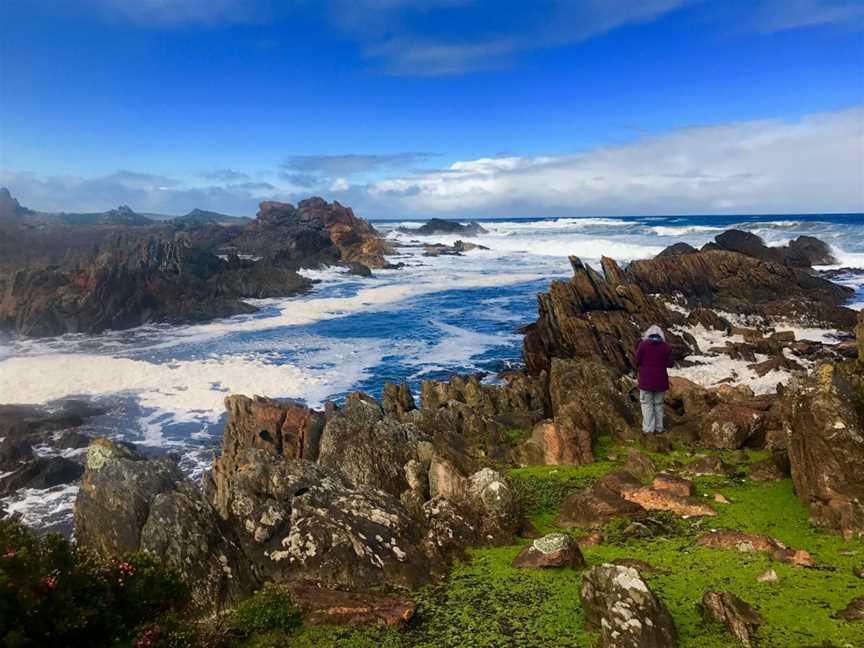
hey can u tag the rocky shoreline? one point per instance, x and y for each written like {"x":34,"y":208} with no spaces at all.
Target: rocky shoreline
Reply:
{"x":362,"y":503}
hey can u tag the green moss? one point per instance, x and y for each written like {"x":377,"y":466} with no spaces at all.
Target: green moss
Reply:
{"x":541,"y":489}
{"x":486,"y":603}
{"x":514,"y":436}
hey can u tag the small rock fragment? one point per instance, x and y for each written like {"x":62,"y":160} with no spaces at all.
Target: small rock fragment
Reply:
{"x":769,"y":576}
{"x":726,"y":608}
{"x":553,"y":550}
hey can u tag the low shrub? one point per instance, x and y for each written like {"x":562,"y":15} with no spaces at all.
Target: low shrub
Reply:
{"x":54,"y":593}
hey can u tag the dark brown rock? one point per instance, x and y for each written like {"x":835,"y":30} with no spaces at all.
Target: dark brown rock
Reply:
{"x":710,"y":465}
{"x":331,"y":607}
{"x":594,"y":507}
{"x":747,"y":542}
{"x":852,"y":612}
{"x":639,"y":464}
{"x":726,"y":608}
{"x":730,"y":425}
{"x":674,"y":484}
{"x":553,"y":550}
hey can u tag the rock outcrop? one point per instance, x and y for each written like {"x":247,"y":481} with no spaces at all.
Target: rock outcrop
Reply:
{"x":441,"y":226}
{"x":825,"y":437}
{"x":726,"y":608}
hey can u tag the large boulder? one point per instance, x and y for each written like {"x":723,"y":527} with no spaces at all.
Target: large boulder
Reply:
{"x":619,"y":604}
{"x":128,"y":503}
{"x":825,"y":438}
{"x":369,"y":448}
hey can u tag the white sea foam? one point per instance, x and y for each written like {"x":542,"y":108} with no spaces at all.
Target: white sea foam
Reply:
{"x":456,"y":347}
{"x":43,"y":507}
{"x":664,"y":230}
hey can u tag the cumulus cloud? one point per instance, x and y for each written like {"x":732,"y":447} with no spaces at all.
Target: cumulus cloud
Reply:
{"x":814,"y":164}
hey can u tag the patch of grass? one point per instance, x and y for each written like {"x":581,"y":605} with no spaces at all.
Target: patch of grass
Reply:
{"x":541,"y":489}
{"x":265,"y":618}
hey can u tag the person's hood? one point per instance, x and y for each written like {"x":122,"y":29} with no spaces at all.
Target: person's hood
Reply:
{"x":654,"y":330}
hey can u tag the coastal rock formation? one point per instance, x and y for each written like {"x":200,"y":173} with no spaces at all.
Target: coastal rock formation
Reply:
{"x":129,"y":503}
{"x":802,"y":252}
{"x":825,"y":439}
{"x":594,"y":316}
{"x":619,"y":604}
{"x":313,"y":233}
{"x":737,"y":283}
{"x":135,"y":282}
{"x":441,"y":226}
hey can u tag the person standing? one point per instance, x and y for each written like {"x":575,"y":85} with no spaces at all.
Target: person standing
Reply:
{"x":653,"y":358}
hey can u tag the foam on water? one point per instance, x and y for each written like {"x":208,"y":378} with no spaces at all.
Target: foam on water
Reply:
{"x":163,"y":386}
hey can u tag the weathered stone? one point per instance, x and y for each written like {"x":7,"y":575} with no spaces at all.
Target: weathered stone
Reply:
{"x":729,"y":426}
{"x":726,"y":608}
{"x":665,"y":500}
{"x":825,"y":437}
{"x":619,"y":604}
{"x":497,"y":506}
{"x":747,"y":542}
{"x":41,"y":473}
{"x":368,"y":447}
{"x":127,"y":503}
{"x":594,"y":507}
{"x":445,"y":480}
{"x":674,"y":484}
{"x":768,"y":576}
{"x":765,"y":470}
{"x":397,"y":400}
{"x":553,"y":550}
{"x":553,"y":443}
{"x":331,"y":607}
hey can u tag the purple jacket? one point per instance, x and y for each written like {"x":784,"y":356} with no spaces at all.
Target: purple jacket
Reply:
{"x":652,"y":359}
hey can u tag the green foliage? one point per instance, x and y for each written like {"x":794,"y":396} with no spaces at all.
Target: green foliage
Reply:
{"x":541,"y":489}
{"x":514,"y":436}
{"x":269,"y":609}
{"x":54,"y":594}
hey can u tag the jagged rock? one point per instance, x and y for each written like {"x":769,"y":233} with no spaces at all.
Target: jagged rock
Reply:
{"x":825,"y":437}
{"x":128,"y":503}
{"x":619,"y":481}
{"x":593,"y":316}
{"x":445,"y":480}
{"x":726,"y":608}
{"x":491,"y":495}
{"x":397,"y":400}
{"x":553,"y":550}
{"x":674,"y":484}
{"x":639,"y":464}
{"x":733,"y":282}
{"x":438,"y":249}
{"x":279,"y":427}
{"x":812,"y":251}
{"x":299,"y":520}
{"x":587,"y":403}
{"x":594,"y":507}
{"x":747,"y":542}
{"x":330,"y":607}
{"x":708,"y":319}
{"x":368,"y":447}
{"x":852,"y":612}
{"x":729,"y":426}
{"x":619,"y":604}
{"x":358,"y":269}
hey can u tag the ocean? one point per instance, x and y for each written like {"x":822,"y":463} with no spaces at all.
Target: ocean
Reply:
{"x":163,"y":386}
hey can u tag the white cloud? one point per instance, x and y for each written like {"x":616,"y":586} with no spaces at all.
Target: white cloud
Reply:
{"x":815,"y":164}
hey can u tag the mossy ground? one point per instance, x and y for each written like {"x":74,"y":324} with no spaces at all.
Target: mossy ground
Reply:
{"x":487,"y":603}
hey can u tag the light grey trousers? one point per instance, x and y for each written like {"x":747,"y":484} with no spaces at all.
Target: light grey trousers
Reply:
{"x":652,"y":410}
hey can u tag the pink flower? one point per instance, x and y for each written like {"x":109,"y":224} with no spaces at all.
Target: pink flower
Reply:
{"x":10,"y":554}
{"x":49,"y":582}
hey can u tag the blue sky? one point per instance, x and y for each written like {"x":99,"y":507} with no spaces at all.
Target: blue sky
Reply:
{"x":420,"y":108}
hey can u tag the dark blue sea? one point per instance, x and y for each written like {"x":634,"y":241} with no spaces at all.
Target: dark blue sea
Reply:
{"x":163,"y":386}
